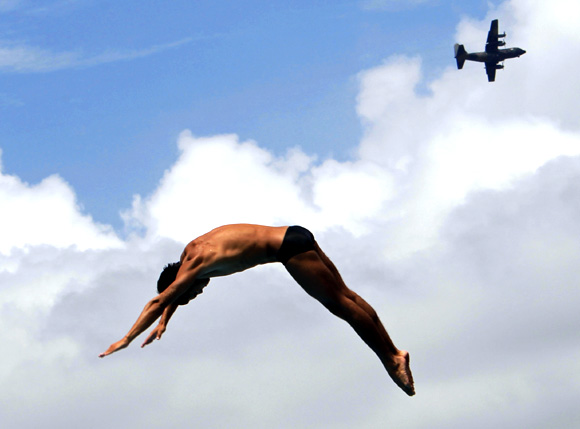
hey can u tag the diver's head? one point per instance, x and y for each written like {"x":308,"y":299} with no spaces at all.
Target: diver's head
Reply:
{"x":168,"y":276}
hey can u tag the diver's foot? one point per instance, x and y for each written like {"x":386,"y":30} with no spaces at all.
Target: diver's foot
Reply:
{"x":400,"y":372}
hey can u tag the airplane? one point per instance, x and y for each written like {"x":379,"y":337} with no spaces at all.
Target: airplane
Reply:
{"x":492,"y":55}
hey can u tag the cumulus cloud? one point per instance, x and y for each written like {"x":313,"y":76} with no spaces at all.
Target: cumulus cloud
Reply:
{"x":466,"y":136}
{"x":457,"y":220}
{"x":47,"y":214}
{"x":552,"y":43}
{"x":219,"y":180}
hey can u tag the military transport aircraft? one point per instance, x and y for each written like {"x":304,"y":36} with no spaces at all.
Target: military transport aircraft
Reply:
{"x":492,"y":55}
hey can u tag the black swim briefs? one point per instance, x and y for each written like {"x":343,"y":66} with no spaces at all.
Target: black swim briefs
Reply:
{"x":297,"y":240}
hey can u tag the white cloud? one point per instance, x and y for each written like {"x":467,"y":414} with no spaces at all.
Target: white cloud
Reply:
{"x":219,"y":180}
{"x":47,"y":214}
{"x":469,"y":134}
{"x":538,"y":84}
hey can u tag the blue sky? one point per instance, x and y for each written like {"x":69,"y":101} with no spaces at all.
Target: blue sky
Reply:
{"x":106,"y":87}
{"x":449,"y":203}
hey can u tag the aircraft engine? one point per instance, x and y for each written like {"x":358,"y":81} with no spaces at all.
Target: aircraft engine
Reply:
{"x":498,"y":66}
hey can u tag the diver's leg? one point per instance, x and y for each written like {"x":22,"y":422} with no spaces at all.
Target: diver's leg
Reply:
{"x":320,"y":279}
{"x":359,"y":301}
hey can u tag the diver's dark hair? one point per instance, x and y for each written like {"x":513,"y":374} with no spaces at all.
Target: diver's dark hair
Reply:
{"x":167,"y":276}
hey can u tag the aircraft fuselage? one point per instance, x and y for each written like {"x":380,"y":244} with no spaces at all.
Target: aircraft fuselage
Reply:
{"x":495,"y":57}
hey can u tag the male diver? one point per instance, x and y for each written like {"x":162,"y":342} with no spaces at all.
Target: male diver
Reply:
{"x":233,"y":248}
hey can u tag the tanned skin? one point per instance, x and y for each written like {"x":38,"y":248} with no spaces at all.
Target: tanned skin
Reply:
{"x":230,"y":249}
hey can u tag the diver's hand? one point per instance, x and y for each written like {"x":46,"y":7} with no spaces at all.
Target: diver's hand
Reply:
{"x":115,"y":347}
{"x":155,"y":334}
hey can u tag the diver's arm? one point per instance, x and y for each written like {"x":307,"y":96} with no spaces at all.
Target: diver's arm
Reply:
{"x":158,"y":331}
{"x":153,"y":310}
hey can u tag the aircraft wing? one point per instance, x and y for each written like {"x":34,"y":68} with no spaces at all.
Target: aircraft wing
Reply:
{"x":492,"y":37}
{"x":490,"y":69}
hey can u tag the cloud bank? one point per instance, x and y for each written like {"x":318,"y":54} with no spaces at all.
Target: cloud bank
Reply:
{"x":457,"y":220}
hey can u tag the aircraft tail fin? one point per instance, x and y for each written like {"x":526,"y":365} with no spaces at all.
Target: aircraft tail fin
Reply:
{"x":460,"y":55}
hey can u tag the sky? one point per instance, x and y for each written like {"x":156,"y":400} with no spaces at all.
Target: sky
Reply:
{"x":449,"y":203}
